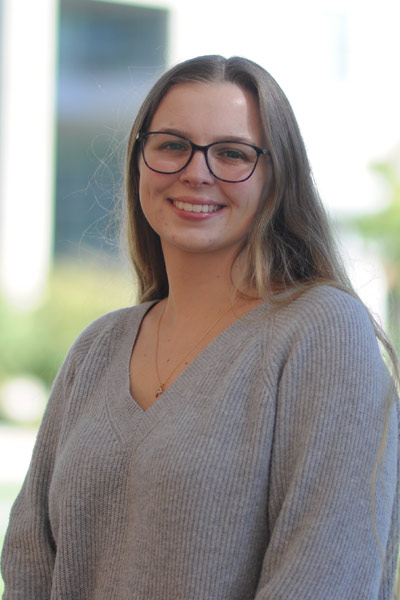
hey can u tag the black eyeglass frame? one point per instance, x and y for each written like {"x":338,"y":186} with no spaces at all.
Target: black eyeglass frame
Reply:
{"x":141,"y":137}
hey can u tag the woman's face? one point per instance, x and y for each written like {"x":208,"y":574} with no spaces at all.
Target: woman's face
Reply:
{"x":192,"y":210}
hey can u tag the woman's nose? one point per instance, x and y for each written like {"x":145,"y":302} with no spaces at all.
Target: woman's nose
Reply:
{"x":197,"y":171}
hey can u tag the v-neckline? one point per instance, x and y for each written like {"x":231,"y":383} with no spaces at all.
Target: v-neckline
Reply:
{"x":134,"y":417}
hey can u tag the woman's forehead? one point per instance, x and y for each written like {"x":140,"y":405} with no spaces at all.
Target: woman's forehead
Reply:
{"x":209,"y":109}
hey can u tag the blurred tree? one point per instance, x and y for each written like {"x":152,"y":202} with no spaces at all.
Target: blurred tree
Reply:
{"x":36,"y":342}
{"x":383,"y":229}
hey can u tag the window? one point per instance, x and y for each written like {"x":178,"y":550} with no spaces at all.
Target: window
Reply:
{"x":109,"y":56}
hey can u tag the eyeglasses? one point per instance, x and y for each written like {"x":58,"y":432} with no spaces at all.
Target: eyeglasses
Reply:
{"x":228,"y":161}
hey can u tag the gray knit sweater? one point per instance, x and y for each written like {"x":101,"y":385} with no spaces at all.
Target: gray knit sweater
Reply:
{"x":249,"y":478}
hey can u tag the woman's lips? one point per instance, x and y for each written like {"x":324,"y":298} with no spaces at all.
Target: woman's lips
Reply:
{"x":196,"y":207}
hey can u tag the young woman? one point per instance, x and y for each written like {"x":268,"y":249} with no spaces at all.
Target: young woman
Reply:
{"x":235,"y":435}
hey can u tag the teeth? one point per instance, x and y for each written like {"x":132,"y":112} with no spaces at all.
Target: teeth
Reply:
{"x":205,"y":208}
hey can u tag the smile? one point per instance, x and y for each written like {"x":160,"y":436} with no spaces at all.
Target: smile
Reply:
{"x":197,"y":208}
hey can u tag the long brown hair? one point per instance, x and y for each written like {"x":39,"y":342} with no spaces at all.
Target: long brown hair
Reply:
{"x":290,"y":245}
{"x":290,"y":242}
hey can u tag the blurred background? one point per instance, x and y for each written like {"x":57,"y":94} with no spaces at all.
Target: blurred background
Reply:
{"x":72,"y":75}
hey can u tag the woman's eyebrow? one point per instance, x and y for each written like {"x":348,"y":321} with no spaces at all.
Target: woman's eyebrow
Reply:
{"x":216,"y":138}
{"x":171,"y":130}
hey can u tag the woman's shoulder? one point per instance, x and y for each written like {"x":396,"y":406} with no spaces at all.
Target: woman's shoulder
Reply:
{"x":324,"y":302}
{"x":118,"y":323}
{"x":326,"y":313}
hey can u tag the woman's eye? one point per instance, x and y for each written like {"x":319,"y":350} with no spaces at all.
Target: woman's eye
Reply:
{"x":232,"y":154}
{"x":174,"y":147}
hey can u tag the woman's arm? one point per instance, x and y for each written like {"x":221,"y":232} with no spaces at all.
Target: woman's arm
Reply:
{"x":29,"y":549}
{"x":332,"y":402}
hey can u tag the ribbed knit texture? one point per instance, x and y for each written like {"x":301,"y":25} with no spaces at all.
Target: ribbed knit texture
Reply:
{"x":249,"y":478}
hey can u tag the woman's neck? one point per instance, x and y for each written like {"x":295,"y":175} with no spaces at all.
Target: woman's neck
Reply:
{"x":199,"y":284}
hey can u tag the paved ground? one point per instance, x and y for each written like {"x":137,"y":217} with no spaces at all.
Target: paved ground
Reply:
{"x":16,"y":446}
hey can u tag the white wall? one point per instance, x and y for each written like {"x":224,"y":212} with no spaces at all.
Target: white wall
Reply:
{"x":27,"y":157}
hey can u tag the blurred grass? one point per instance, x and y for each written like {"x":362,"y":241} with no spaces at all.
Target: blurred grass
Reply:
{"x":36,"y":342}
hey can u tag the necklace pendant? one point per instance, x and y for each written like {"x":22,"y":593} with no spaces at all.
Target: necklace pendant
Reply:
{"x":160,"y":390}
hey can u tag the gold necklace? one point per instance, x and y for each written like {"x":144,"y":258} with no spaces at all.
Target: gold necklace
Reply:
{"x":161,"y":387}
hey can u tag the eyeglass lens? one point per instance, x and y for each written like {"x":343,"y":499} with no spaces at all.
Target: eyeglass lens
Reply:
{"x":168,"y":153}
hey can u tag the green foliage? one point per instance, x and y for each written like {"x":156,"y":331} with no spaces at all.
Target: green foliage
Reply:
{"x":36,"y":342}
{"x":384,"y":226}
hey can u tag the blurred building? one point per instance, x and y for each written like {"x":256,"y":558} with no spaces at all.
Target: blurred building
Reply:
{"x":108,"y":56}
{"x":73,"y":73}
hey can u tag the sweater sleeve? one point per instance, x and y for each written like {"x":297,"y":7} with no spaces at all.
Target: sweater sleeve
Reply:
{"x":334,"y":399}
{"x":29,"y":550}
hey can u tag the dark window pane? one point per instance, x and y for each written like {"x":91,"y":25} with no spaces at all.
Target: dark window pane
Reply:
{"x":109,"y":55}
